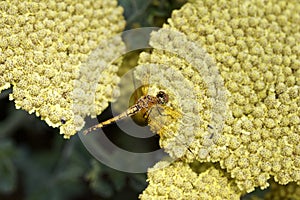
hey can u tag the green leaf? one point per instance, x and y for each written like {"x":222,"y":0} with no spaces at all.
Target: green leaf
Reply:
{"x":138,"y":182}
{"x":134,"y":9}
{"x":7,"y":169}
{"x":7,"y":175}
{"x":102,"y":188}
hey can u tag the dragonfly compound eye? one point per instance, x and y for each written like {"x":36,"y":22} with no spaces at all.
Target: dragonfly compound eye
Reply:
{"x":162,"y":97}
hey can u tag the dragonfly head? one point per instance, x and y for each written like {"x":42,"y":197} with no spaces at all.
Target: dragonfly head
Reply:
{"x":162,"y":97}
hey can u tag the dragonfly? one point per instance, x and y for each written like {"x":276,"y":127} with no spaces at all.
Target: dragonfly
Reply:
{"x":143,"y":105}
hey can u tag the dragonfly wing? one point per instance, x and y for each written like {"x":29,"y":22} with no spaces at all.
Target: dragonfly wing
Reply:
{"x":141,"y":89}
{"x":160,"y":116}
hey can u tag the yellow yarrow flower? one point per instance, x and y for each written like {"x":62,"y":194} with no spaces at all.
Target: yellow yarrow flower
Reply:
{"x":58,"y":58}
{"x":244,"y":108}
{"x":179,"y":181}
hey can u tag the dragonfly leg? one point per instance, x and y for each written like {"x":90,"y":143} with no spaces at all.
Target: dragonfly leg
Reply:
{"x":147,"y":114}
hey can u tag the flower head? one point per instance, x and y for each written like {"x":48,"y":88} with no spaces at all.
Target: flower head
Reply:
{"x":45,"y":54}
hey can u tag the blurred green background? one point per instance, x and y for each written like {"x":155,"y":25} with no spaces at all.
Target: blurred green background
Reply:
{"x":36,"y":163}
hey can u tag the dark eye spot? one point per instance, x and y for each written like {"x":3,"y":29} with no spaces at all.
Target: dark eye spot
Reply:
{"x":160,"y":94}
{"x":63,"y":121}
{"x":163,"y":97}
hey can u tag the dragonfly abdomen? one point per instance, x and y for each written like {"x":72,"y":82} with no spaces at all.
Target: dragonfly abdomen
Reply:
{"x":143,"y":104}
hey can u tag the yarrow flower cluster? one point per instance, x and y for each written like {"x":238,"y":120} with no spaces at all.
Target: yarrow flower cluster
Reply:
{"x":45,"y":54}
{"x":249,"y":120}
{"x":179,"y":181}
